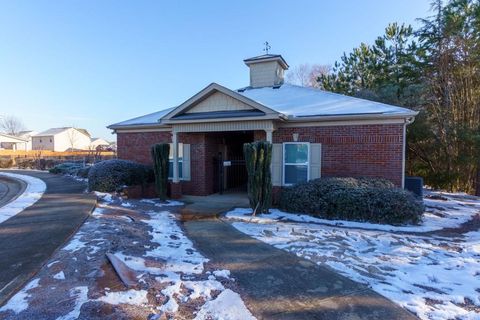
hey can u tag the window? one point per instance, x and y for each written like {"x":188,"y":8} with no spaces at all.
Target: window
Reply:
{"x":180,"y":161}
{"x":296,"y":159}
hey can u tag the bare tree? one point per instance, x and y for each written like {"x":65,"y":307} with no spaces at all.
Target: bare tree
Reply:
{"x":306,"y":75}
{"x":72,"y":138}
{"x":11,"y":125}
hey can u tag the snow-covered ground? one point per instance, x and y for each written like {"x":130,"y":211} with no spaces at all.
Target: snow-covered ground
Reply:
{"x":435,"y":275}
{"x":33,"y":192}
{"x":171,"y":277}
{"x":443,"y":210}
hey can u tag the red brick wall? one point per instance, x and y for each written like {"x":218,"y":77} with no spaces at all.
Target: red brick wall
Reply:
{"x":198,"y":163}
{"x":136,"y":146}
{"x":366,"y":150}
{"x":259,"y":135}
{"x":354,"y":151}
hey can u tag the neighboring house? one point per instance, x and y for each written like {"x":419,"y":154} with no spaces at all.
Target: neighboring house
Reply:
{"x":314,"y":133}
{"x":13,"y":142}
{"x":27,"y":135}
{"x":99,"y":144}
{"x":62,"y":139}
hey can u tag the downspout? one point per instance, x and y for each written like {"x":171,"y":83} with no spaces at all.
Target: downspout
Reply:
{"x":404,"y":151}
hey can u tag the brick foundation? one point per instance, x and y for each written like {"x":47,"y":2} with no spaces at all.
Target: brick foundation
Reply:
{"x":175,"y":190}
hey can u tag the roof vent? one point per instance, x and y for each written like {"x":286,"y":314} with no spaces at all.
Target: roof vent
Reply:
{"x":267,"y":70}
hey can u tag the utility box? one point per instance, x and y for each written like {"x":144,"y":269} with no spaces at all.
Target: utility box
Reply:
{"x":415,"y":185}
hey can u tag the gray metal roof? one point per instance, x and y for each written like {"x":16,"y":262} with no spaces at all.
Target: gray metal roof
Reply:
{"x":292,"y":101}
{"x":295,"y":102}
{"x":151,"y":118}
{"x":55,"y":131}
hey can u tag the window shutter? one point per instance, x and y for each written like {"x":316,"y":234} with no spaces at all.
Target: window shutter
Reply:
{"x":277,"y":160}
{"x":315,"y":160}
{"x":186,"y":162}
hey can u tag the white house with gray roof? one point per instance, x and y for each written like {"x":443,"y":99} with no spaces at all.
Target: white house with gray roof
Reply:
{"x":62,"y":139}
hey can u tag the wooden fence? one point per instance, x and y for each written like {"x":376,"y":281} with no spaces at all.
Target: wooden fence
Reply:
{"x":42,"y":154}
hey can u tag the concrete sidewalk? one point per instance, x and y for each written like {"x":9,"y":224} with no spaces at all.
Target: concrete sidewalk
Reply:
{"x":207,"y":207}
{"x":278,"y":285}
{"x":28,"y":239}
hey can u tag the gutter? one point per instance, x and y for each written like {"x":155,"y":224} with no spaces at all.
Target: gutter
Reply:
{"x":410,"y":116}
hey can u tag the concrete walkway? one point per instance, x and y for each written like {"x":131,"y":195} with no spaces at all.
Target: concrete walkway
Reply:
{"x":206,"y":207}
{"x":10,"y":189}
{"x":28,"y":239}
{"x":278,"y":285}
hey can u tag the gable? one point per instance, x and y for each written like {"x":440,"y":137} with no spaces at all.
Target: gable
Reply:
{"x":218,"y":101}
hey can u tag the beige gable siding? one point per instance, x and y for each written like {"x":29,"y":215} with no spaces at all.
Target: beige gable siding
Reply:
{"x":219,"y":102}
{"x":265,"y":74}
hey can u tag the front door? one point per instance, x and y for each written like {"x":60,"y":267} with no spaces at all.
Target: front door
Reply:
{"x":230,"y":163}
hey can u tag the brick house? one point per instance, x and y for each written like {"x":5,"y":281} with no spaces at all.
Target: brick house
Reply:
{"x":314,"y":133}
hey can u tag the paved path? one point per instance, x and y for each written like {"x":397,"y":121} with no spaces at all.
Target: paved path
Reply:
{"x":278,"y":285}
{"x":10,"y":189}
{"x":28,"y":239}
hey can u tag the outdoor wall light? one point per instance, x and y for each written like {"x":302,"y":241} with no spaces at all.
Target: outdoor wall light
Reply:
{"x":295,"y":137}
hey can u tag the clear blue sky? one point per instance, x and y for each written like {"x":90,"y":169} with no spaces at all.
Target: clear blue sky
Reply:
{"x":91,"y":63}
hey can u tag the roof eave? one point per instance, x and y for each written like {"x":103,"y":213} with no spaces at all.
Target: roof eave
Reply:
{"x":138,"y":126}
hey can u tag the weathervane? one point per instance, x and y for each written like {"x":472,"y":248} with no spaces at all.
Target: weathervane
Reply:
{"x":267,"y":47}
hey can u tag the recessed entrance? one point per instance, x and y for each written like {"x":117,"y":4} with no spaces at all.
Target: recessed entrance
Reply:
{"x":230,"y":169}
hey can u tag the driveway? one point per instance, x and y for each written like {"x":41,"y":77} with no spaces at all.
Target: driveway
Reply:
{"x":29,"y":238}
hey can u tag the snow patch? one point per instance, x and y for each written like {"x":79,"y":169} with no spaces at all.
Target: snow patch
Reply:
{"x":173,"y":246}
{"x":222,"y":274}
{"x":133,"y":297}
{"x":75,"y":244}
{"x":33,"y":192}
{"x":107,"y":197}
{"x":19,"y":301}
{"x":81,"y":296}
{"x":59,"y":276}
{"x":227,"y":306}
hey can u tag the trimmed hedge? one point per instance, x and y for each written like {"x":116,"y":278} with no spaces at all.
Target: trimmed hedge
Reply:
{"x":363,"y":199}
{"x":66,"y":168}
{"x":113,"y":175}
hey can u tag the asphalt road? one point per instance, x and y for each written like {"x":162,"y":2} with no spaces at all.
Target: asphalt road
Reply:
{"x":28,"y":239}
{"x":10,"y":189}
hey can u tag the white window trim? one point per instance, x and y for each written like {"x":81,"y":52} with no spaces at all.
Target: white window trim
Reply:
{"x":285,"y":164}
{"x":180,"y":160}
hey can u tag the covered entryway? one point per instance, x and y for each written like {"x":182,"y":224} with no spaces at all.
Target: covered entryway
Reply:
{"x":230,"y":169}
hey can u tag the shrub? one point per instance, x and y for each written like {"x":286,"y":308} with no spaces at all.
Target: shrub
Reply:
{"x":160,"y":153}
{"x":66,"y":168}
{"x":258,"y":157}
{"x":83,"y":172}
{"x":113,"y":175}
{"x":6,"y":163}
{"x":363,"y":199}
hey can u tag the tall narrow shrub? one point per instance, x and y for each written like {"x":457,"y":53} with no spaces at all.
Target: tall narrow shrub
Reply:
{"x":258,"y":157}
{"x":160,"y":153}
